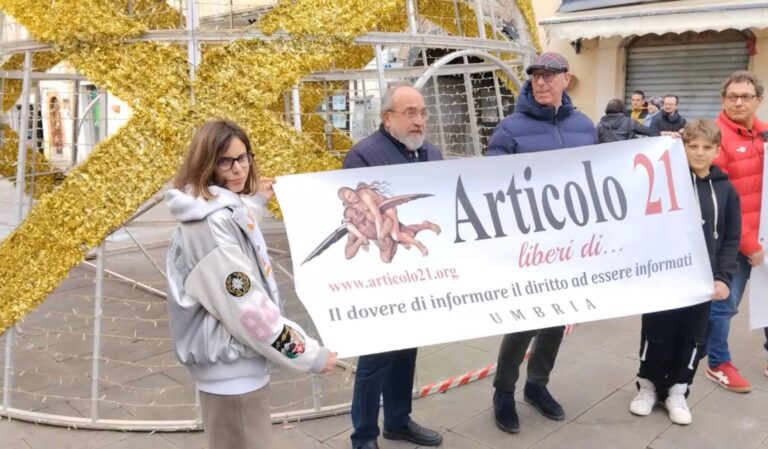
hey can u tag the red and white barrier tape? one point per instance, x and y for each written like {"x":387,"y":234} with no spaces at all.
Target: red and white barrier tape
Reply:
{"x":454,"y":382}
{"x":457,"y":381}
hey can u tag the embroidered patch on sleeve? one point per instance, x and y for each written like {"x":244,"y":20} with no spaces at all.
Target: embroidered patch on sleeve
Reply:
{"x":290,"y":343}
{"x":237,"y":284}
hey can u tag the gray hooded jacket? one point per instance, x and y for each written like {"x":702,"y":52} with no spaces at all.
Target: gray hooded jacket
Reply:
{"x":223,"y":304}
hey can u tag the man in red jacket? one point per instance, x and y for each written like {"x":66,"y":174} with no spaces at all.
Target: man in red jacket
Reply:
{"x":743,"y":146}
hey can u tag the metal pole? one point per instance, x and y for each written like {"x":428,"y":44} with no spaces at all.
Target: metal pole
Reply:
{"x":438,"y":106}
{"x":2,"y":95}
{"x":497,"y":90}
{"x":411,"y":12}
{"x":316,"y":394}
{"x":494,"y":29}
{"x":365,"y":106}
{"x":480,"y":19}
{"x":286,"y":107}
{"x":328,"y":128}
{"x":199,"y":419}
{"x":87,"y":111}
{"x":523,"y":34}
{"x":146,"y":253}
{"x":193,"y":53}
{"x":9,"y":337}
{"x":457,"y":16}
{"x":20,"y":181}
{"x":472,"y":113}
{"x":296,"y":108}
{"x":104,"y":121}
{"x":135,"y":283}
{"x":231,"y":15}
{"x":35,"y":113}
{"x":75,"y":121}
{"x":97,"y":311}
{"x":380,"y":71}
{"x":23,"y":129}
{"x":33,"y":145}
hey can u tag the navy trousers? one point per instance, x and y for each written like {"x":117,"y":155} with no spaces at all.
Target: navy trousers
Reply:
{"x":388,"y":374}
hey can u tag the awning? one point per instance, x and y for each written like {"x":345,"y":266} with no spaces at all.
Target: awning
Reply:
{"x":659,"y":18}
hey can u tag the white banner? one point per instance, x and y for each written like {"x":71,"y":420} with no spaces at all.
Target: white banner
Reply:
{"x":494,"y":245}
{"x":758,"y":285}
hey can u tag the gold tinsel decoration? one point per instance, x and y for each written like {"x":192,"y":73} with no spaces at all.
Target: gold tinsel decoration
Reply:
{"x":62,"y":22}
{"x":95,"y":199}
{"x":35,"y":162}
{"x":526,"y":9}
{"x":155,"y":14}
{"x":242,"y":81}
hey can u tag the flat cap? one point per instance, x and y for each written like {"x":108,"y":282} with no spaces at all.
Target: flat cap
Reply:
{"x":549,"y":61}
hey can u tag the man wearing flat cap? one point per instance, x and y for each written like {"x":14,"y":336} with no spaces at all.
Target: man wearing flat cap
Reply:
{"x":544,"y":119}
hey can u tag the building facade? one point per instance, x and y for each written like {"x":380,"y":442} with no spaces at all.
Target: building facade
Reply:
{"x":681,"y":47}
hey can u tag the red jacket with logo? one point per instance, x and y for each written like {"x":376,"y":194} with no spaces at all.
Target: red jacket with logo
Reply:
{"x":741,"y":157}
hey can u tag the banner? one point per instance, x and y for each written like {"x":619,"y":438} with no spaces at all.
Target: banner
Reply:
{"x":409,"y":255}
{"x":758,"y":285}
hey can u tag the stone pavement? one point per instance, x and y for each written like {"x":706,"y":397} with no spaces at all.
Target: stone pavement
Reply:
{"x":140,"y":380}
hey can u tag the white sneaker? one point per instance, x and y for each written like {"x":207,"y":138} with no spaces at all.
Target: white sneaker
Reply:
{"x":645,"y":399}
{"x":676,"y":405}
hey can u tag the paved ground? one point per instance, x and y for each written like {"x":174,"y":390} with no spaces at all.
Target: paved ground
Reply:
{"x":140,"y":380}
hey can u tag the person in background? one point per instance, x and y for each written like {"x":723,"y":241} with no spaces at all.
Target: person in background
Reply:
{"x":669,"y":122}
{"x":654,"y":108}
{"x":639,"y":110}
{"x":615,"y":125}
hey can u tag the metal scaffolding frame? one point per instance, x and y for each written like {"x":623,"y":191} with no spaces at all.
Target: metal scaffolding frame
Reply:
{"x":193,"y":37}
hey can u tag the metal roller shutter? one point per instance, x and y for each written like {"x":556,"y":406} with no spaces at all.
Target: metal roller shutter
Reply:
{"x":693,"y":72}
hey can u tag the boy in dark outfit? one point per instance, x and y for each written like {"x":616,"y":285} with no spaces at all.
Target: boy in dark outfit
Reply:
{"x":672,"y":341}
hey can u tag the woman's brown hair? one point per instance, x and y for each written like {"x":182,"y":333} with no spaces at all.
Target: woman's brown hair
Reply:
{"x":209,"y":142}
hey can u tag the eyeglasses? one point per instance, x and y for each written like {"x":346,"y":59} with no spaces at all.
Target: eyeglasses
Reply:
{"x":546,"y":75}
{"x":226,"y":163}
{"x":411,"y":114}
{"x":746,"y":98}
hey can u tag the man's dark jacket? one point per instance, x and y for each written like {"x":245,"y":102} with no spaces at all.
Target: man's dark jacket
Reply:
{"x":381,"y":148}
{"x":533,"y":127}
{"x":617,"y":126}
{"x":668,"y":122}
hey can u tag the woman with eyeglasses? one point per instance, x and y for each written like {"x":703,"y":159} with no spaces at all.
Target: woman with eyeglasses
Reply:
{"x":223,"y":302}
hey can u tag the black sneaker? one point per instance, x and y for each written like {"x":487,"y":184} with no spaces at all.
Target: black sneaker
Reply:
{"x":415,"y":434}
{"x":505,"y":412}
{"x":539,"y":397}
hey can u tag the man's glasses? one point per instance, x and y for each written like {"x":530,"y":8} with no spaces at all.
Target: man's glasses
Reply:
{"x":226,"y":163}
{"x":746,"y":98}
{"x":411,"y":114}
{"x":546,"y":75}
